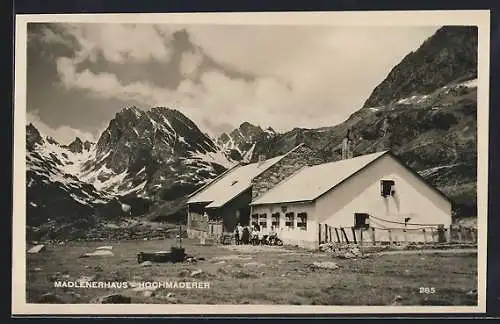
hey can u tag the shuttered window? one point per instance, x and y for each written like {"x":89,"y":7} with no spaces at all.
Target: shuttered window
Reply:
{"x":263,"y":220}
{"x":255,"y":219}
{"x":290,"y":220}
{"x":275,"y":220}
{"x":302,"y":221}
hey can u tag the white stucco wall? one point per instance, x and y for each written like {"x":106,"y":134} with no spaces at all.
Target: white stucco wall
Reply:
{"x":361,"y":194}
{"x":305,"y":238}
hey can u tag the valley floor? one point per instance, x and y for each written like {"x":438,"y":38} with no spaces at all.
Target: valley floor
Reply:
{"x":267,"y":275}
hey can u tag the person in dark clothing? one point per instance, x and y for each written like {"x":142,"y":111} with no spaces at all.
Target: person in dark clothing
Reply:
{"x":237,"y":234}
{"x":245,"y":238}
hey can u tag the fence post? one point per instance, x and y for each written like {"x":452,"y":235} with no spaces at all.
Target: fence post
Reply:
{"x":326,"y":233}
{"x":354,"y":235}
{"x":345,"y":235}
{"x":469,"y":234}
{"x":330,"y":233}
{"x":459,"y":232}
{"x":337,"y":234}
{"x":474,"y":235}
{"x":361,"y":240}
{"x":447,"y":234}
{"x":373,"y":236}
{"x":390,"y":236}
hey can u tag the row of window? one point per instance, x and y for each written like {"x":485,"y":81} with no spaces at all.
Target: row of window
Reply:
{"x":261,"y":220}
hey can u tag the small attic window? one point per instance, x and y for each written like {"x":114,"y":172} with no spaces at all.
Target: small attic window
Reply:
{"x":386,"y":188}
{"x":234,"y":182}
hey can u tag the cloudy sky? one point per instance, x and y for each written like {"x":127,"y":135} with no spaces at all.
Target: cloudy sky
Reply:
{"x":80,"y":75}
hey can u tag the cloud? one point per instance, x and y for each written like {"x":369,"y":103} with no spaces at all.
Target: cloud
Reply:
{"x":117,"y":43}
{"x":62,"y":134}
{"x":302,"y":76}
{"x":190,"y":62}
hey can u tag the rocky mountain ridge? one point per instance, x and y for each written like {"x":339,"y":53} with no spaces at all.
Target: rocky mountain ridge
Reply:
{"x":144,"y":163}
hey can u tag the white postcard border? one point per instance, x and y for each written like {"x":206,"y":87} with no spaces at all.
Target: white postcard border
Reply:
{"x":480,"y":18}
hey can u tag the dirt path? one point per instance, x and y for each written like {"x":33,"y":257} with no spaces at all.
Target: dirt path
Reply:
{"x":430,"y":251}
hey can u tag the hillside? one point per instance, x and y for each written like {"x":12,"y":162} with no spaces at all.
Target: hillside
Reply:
{"x":450,"y":55}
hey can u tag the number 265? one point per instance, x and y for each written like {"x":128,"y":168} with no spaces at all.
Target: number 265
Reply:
{"x":427,"y":290}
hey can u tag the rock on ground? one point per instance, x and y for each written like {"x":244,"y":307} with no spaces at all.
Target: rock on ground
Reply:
{"x":37,"y":248}
{"x":253,"y":264}
{"x":325,"y":265}
{"x":147,"y":264}
{"x":106,"y":247}
{"x":97,"y":253}
{"x":196,"y":273}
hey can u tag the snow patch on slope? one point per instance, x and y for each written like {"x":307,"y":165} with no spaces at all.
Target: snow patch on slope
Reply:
{"x":214,"y":157}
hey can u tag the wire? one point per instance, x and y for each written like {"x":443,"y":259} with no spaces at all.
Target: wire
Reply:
{"x":377,"y":223}
{"x":394,"y":222}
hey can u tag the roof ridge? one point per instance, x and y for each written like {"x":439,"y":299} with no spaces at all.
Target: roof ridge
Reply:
{"x":355,"y":157}
{"x":220,"y":176}
{"x":380,"y":154}
{"x":281,"y":156}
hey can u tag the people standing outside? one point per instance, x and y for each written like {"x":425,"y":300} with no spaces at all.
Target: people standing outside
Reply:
{"x":238,"y":233}
{"x":245,"y":235}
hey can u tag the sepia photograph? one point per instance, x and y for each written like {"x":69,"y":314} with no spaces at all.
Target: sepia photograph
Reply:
{"x":274,"y":163}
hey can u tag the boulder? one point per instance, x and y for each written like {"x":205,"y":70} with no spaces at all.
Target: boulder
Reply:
{"x":146,"y":264}
{"x":37,"y":248}
{"x":106,"y":247}
{"x":97,"y":253}
{"x":197,"y":273}
{"x":325,"y":265}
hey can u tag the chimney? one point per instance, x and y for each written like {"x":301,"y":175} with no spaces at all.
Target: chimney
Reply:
{"x":262,"y":159}
{"x":347,"y":146}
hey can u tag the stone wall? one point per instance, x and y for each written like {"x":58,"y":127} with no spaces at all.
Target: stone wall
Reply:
{"x":291,"y":163}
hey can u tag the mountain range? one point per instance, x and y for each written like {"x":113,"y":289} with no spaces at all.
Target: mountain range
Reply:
{"x":146,"y":162}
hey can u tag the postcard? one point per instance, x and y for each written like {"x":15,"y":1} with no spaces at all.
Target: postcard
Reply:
{"x":251,"y":163}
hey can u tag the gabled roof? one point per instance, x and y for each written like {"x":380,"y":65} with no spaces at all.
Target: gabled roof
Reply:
{"x":232,"y":183}
{"x":311,"y":182}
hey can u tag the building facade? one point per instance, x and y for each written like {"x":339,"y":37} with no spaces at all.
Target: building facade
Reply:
{"x":226,"y":200}
{"x":301,"y":198}
{"x":375,"y":193}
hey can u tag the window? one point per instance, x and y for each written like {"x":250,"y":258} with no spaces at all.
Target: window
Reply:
{"x":361,"y":220}
{"x":289,"y":220}
{"x":275,"y":220}
{"x":302,"y":221}
{"x":386,"y":187}
{"x":255,"y":219}
{"x":263,"y":220}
